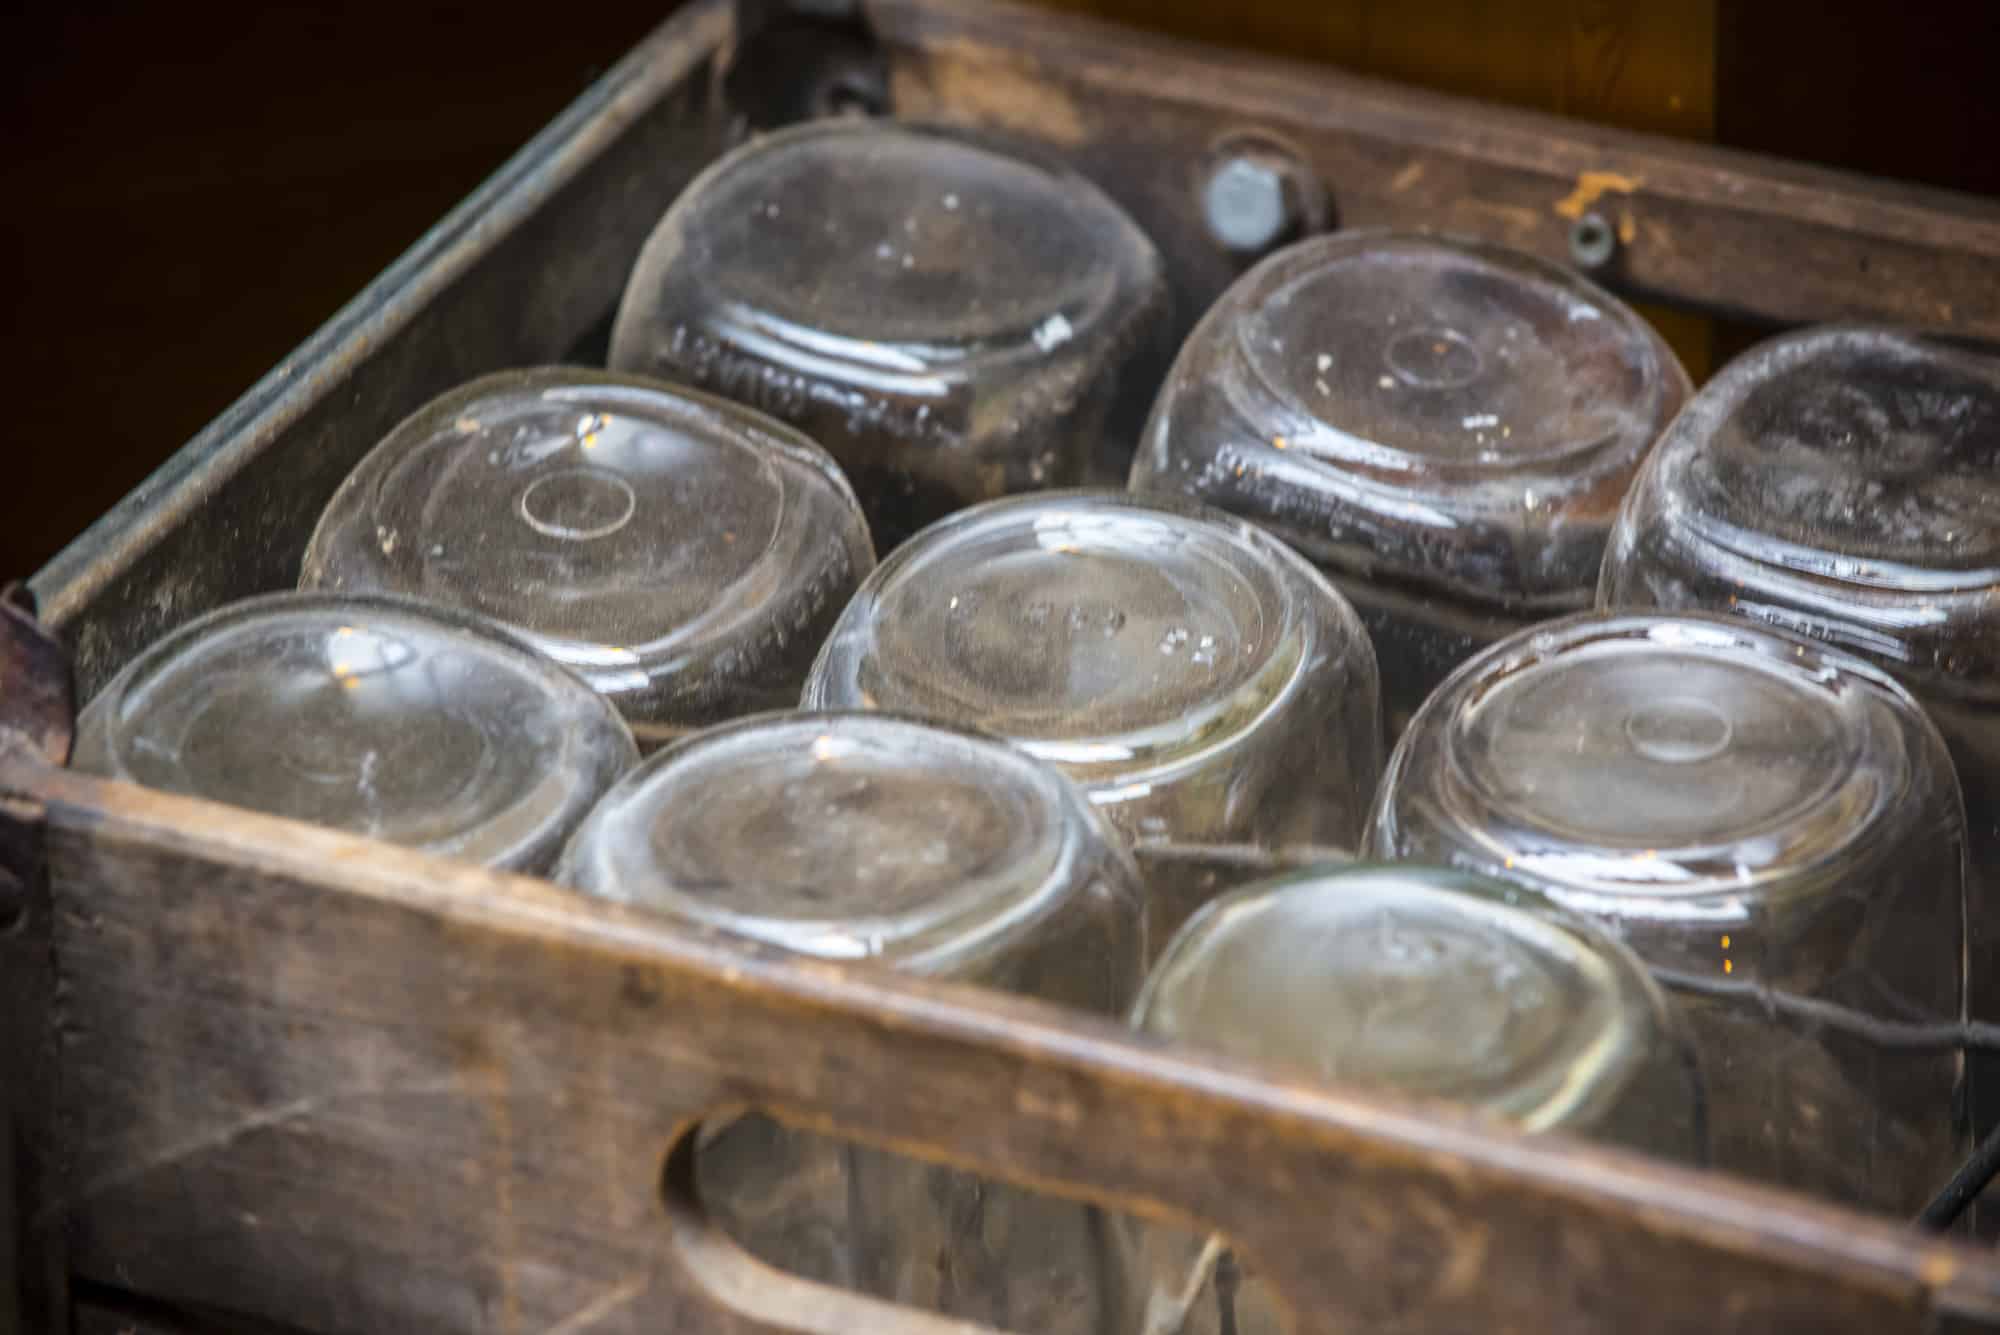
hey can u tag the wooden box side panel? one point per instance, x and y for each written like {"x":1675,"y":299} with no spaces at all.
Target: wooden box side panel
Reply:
{"x":517,"y":275}
{"x":1698,"y":226}
{"x":531,"y":264}
{"x":351,"y":1089}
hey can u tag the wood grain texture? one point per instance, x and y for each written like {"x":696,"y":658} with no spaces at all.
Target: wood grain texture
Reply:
{"x":345,"y":1088}
{"x":38,"y":719}
{"x":1726,"y":233}
{"x":99,"y":1311}
{"x":235,"y":172}
{"x":349,"y":1088}
{"x":1635,"y":64}
{"x":519,"y":274}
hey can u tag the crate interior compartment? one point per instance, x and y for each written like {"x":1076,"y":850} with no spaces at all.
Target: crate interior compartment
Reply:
{"x":530,"y":268}
{"x":278,"y":1072}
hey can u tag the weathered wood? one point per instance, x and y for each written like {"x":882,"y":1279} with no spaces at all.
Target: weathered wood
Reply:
{"x":518,"y":274}
{"x":1646,"y":65}
{"x":38,"y":720}
{"x":101,"y":1311}
{"x":98,"y":1319}
{"x":345,"y":1088}
{"x":349,"y":1088}
{"x":1726,"y":232}
{"x":533,"y":263}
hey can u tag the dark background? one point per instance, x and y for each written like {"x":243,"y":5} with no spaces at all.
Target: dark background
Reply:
{"x":189,"y":190}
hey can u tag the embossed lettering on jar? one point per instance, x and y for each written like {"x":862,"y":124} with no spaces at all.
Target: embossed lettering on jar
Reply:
{"x":1445,"y":427}
{"x":1773,"y":826}
{"x":951,"y":316}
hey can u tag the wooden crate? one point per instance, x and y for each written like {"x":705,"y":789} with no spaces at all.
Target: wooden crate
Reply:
{"x":261,"y":1076}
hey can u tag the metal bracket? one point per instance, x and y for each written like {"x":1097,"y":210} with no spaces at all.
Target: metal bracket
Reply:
{"x":795,"y":60}
{"x":38,"y":726}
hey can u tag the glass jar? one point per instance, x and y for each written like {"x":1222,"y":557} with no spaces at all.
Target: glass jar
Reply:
{"x":950,"y":316}
{"x":1844,"y":483}
{"x":931,"y":851}
{"x":422,"y":727}
{"x":680,"y":553}
{"x":1445,"y":427}
{"x":1771,"y":825}
{"x":1198,"y":680}
{"x":1416,"y":981}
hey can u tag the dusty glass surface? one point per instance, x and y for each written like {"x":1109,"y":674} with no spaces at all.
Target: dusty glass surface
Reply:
{"x":1419,"y":981}
{"x":933,"y":851}
{"x":382,"y":717}
{"x":680,"y":553}
{"x":1200,"y":681}
{"x":1445,"y":427}
{"x":1844,"y":483}
{"x":950,"y":316}
{"x":1760,"y":819}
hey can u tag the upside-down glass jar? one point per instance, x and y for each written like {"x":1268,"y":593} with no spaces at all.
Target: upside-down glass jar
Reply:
{"x":1199,"y":680}
{"x":381,"y":717}
{"x":1773,"y":826}
{"x":682,"y":554}
{"x":927,"y":850}
{"x":1416,"y":981}
{"x":1445,"y":427}
{"x":1844,"y":483}
{"x":951,"y":316}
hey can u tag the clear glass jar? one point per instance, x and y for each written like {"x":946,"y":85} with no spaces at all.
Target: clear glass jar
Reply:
{"x":932,"y":851}
{"x":1416,"y":981}
{"x":682,"y":554}
{"x":1774,"y":827}
{"x":951,"y":316}
{"x":1844,"y":483}
{"x":423,"y":727}
{"x":1200,"y":681}
{"x":1445,"y":427}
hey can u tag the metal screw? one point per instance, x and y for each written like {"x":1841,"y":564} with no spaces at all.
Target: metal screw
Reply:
{"x":1257,"y":198}
{"x":1593,"y":241}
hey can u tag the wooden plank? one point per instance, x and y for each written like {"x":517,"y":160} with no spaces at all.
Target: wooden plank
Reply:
{"x":98,"y":1310}
{"x":518,"y":274}
{"x":1634,"y":64}
{"x":37,"y":718}
{"x":1724,"y":232}
{"x":348,"y":1088}
{"x":97,"y":1319}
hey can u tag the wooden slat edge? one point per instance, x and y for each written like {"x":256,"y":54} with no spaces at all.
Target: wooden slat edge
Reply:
{"x":1005,"y":1087}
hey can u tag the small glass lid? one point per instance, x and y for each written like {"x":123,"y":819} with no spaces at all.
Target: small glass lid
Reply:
{"x":1440,"y":410}
{"x":678,"y":551}
{"x":1117,"y":636}
{"x":1646,"y":758}
{"x":1419,"y":980}
{"x":845,"y":836}
{"x":1853,"y":473}
{"x":422,"y":727}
